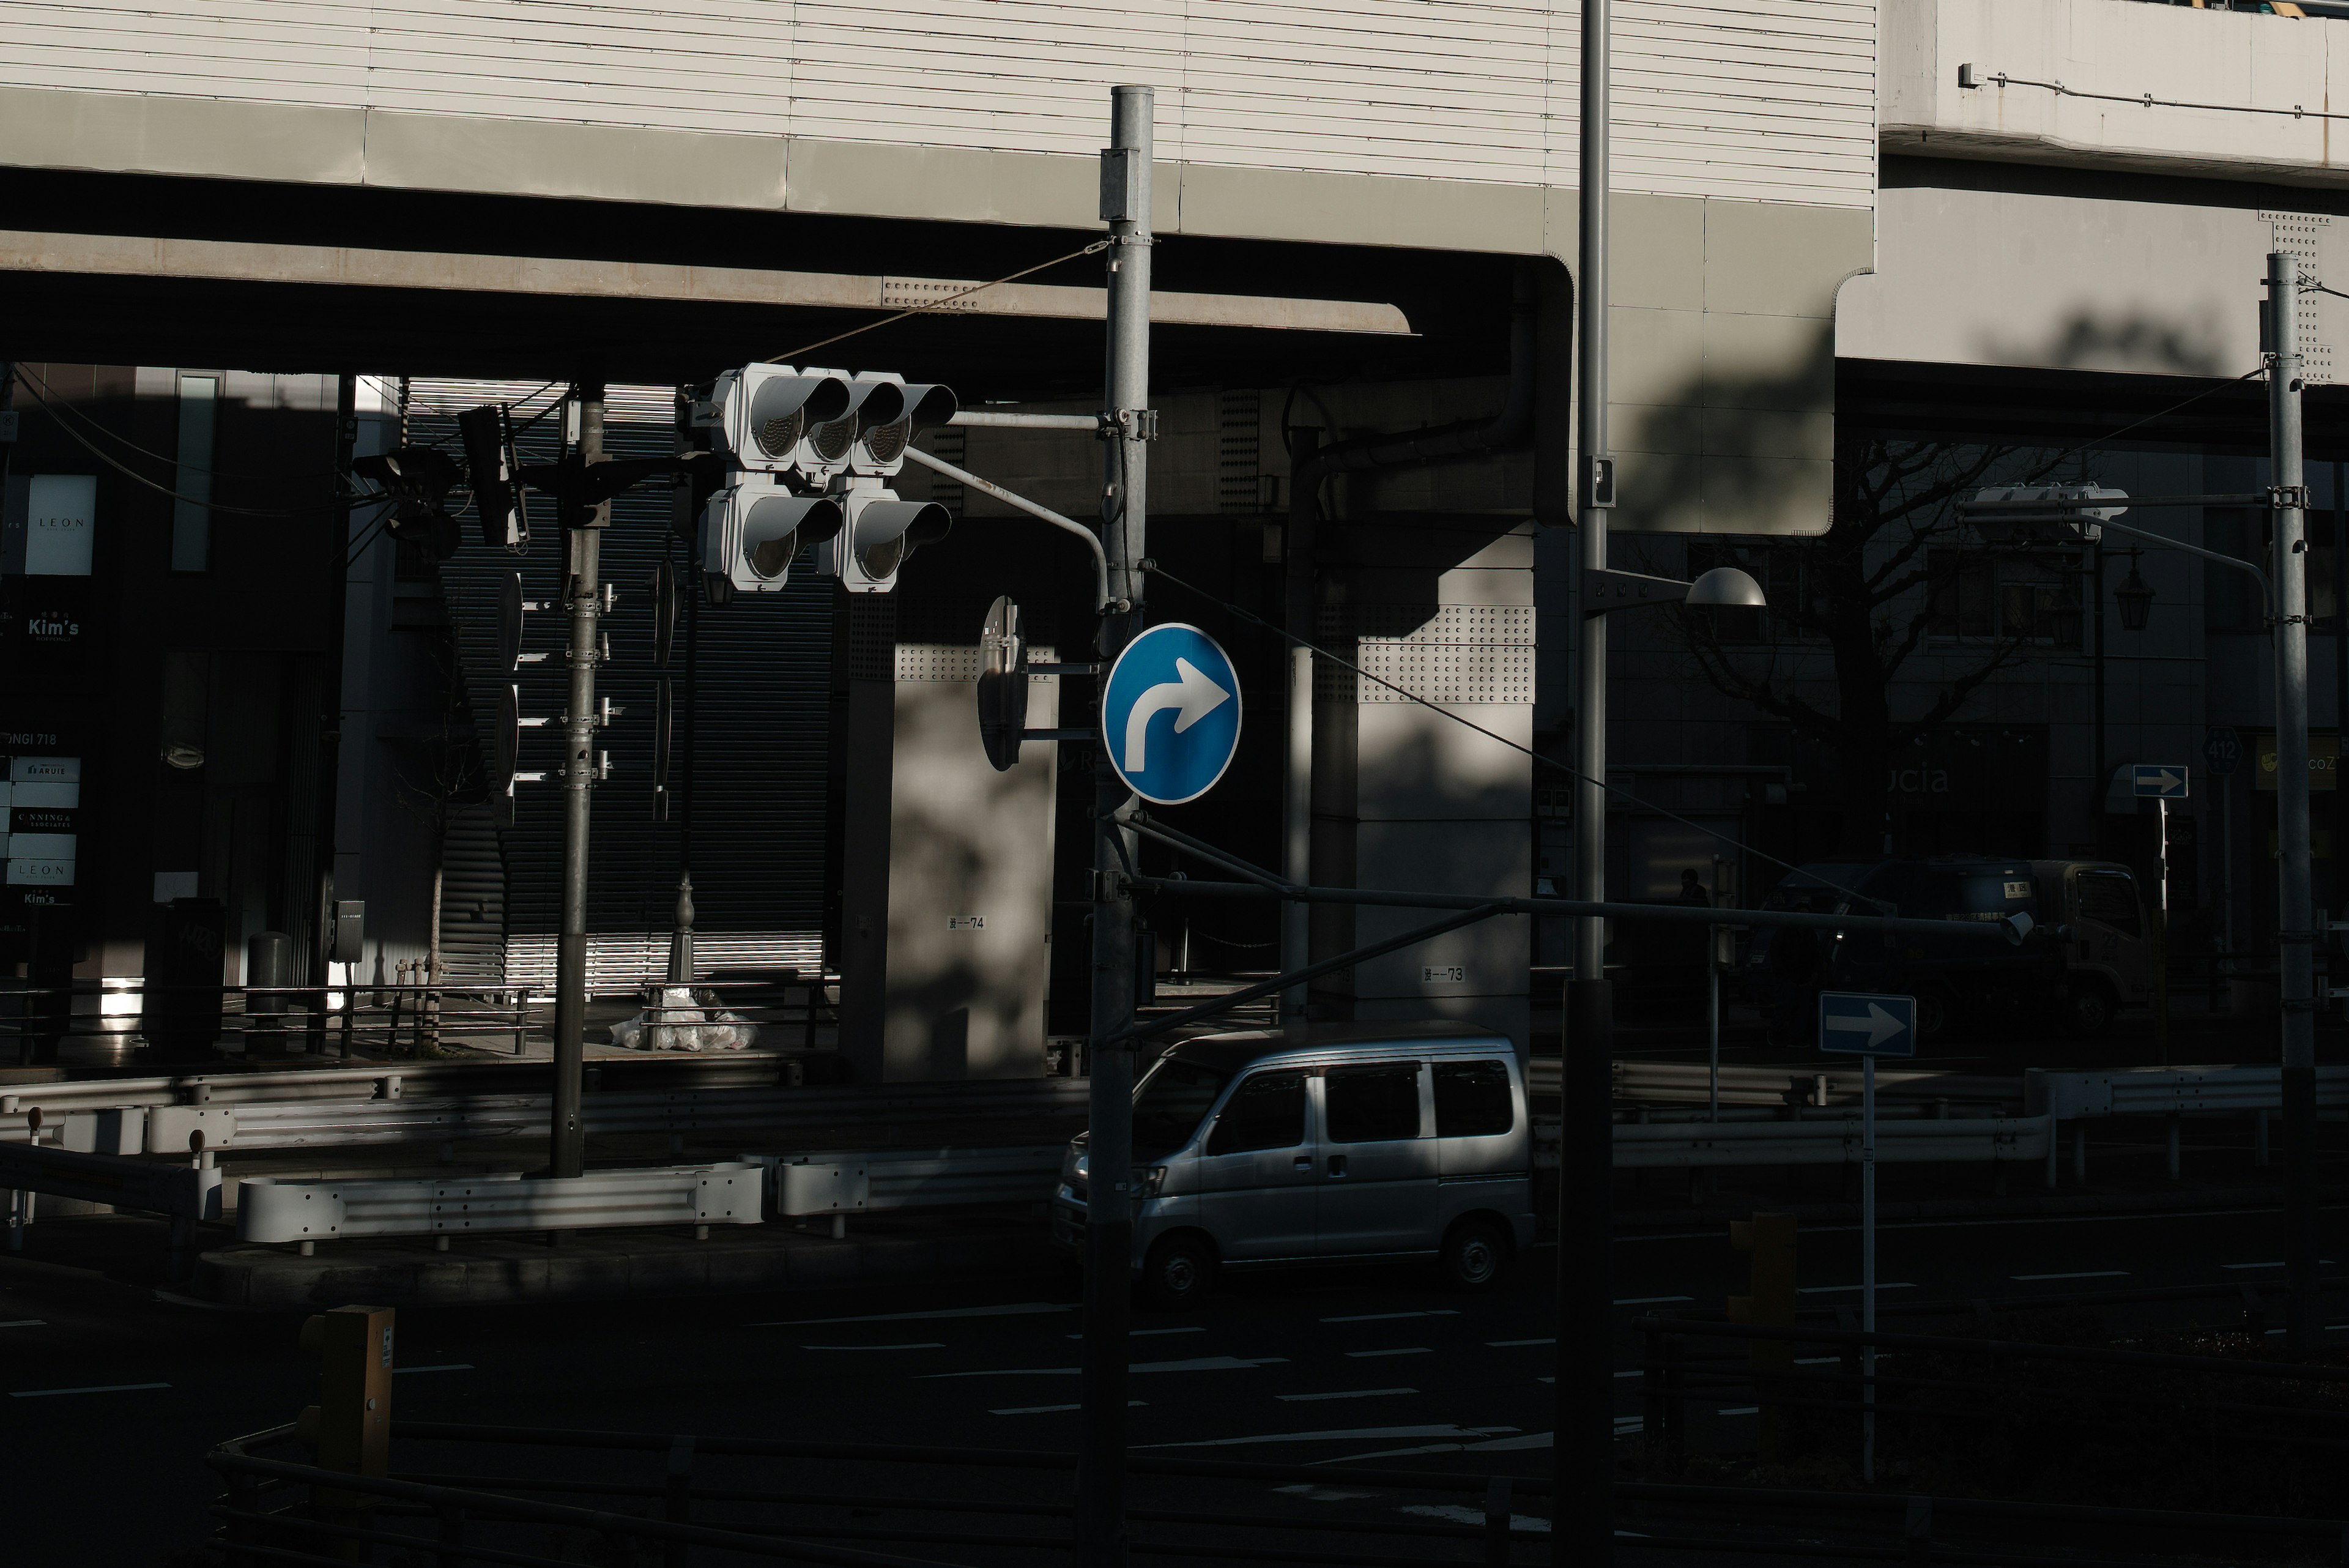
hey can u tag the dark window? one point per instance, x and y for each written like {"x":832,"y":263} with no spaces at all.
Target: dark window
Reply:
{"x":1976,"y":594}
{"x":1173,"y":1100}
{"x":2110,"y":898}
{"x":1371,"y":1104}
{"x":1471,"y":1099}
{"x":1267,"y":1111}
{"x":1965,"y":593}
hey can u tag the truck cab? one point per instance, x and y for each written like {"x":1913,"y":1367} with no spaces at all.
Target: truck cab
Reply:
{"x":2109,"y":947}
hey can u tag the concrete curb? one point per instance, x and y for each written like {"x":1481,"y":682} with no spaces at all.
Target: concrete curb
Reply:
{"x":603,"y":1266}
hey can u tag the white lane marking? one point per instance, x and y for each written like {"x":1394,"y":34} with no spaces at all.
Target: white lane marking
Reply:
{"x":1513,"y":1344}
{"x":1740,"y":1411}
{"x":1461,"y":1513}
{"x":27,"y":1322}
{"x":2275,"y":1266}
{"x":1138,"y":1333}
{"x":1404,"y":1350}
{"x":1531,"y":1441}
{"x":1307,"y":1490}
{"x":925,"y":1345}
{"x":1629,"y":1423}
{"x":1545,"y":1379}
{"x":1345,"y":1394}
{"x":1048,"y":1409}
{"x":1652,"y":1301}
{"x":1829,"y":1289}
{"x":447,"y":1366}
{"x":1198,"y":1364}
{"x":100,"y":1388}
{"x":1635,"y":1372}
{"x":1816,"y":1360}
{"x":1390,"y":1316}
{"x":1341,"y":1435}
{"x":1020,"y":1309}
{"x":2081,"y":1274}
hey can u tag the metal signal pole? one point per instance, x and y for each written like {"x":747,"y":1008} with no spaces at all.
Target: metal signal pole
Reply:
{"x":2295,"y":932}
{"x":1109,"y":1229}
{"x":582,"y":595}
{"x":1583,"y":1529}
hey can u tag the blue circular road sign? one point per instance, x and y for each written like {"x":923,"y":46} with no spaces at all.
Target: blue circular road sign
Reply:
{"x":1171,"y":714}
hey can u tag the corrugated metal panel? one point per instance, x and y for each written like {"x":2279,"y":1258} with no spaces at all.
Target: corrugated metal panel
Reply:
{"x":1766,"y":99}
{"x":762,"y":663}
{"x":472,"y":898}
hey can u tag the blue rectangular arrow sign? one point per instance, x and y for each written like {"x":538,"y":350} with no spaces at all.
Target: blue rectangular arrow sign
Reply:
{"x":1854,"y":1023}
{"x":2163,"y":781}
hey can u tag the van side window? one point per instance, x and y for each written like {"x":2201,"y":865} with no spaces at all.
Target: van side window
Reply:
{"x":1372,"y":1105}
{"x":2110,"y":898}
{"x":1267,"y":1111}
{"x":1471,"y":1099}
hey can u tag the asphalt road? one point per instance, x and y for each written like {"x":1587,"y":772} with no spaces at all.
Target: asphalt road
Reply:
{"x":112,"y":1394}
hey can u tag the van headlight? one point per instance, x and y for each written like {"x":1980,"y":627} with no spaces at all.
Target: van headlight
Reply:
{"x":1149,"y":1179}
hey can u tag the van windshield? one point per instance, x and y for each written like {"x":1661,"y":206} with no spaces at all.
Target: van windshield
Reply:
{"x":1170,"y":1105}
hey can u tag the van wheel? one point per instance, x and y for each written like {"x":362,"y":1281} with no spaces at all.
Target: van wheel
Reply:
{"x":1179,"y":1272}
{"x":1475,"y":1252}
{"x":2089,"y":1009}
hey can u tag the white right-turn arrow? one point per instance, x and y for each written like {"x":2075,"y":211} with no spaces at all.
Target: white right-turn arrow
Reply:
{"x":1192,"y":696}
{"x":1878,"y":1025}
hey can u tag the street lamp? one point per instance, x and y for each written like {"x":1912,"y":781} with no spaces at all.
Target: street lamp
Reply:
{"x":2134,"y":596}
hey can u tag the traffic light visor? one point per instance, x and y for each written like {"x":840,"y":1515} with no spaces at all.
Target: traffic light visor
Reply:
{"x":923,"y":405}
{"x":887,"y":532}
{"x":782,"y":407}
{"x":775,"y":526}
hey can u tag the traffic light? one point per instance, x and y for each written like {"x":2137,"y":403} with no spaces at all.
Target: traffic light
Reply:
{"x":889,"y":415}
{"x":764,"y":412}
{"x":416,"y":481}
{"x":753,"y":529}
{"x":877,"y":533}
{"x":493,"y":473}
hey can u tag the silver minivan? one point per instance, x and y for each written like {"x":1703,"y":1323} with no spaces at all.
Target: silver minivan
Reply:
{"x":1335,"y":1145}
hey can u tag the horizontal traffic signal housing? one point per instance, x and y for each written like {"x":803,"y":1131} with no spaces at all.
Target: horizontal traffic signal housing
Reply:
{"x":752,"y":530}
{"x":764,"y":412}
{"x":878,"y":533}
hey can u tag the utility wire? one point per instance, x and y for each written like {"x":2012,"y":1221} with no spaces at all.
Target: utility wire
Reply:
{"x":55,"y":403}
{"x":938,"y":304}
{"x":1253,"y":618}
{"x":2162,"y":413}
{"x":137,"y":478}
{"x":2146,"y":100}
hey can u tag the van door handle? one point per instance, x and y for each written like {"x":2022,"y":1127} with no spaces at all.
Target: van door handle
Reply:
{"x":1337,"y":1164}
{"x":1304,"y":1162}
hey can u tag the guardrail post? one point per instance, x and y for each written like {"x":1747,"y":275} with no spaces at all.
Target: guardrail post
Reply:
{"x":680,"y":1497}
{"x":1916,"y":1532}
{"x":1498,"y":1520}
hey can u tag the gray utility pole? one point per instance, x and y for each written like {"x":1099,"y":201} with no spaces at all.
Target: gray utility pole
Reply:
{"x":1583,"y":1525}
{"x":1297,"y":796}
{"x":1109,"y":1229}
{"x":582,"y":594}
{"x":2295,"y":916}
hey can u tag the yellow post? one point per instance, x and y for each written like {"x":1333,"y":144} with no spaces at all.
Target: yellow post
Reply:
{"x":350,"y":1426}
{"x":1769,"y":1239}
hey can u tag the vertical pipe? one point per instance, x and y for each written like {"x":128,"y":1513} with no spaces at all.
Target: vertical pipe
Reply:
{"x":1867,"y":1262}
{"x":2100,"y":789}
{"x":2293,"y":916}
{"x":1584,"y":1534}
{"x":2161,"y":932}
{"x":1109,"y":1230}
{"x":582,"y":595}
{"x":330,"y":730}
{"x":1296,"y":800}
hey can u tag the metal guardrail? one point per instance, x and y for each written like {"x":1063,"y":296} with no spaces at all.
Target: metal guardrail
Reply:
{"x":306,"y":1120}
{"x":1688,"y":1082}
{"x":2218,"y":1090}
{"x":271,"y":1210}
{"x":186,"y":1194}
{"x":834,"y":1181}
{"x":1818,"y":1141}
